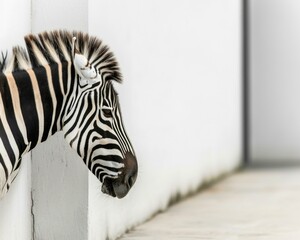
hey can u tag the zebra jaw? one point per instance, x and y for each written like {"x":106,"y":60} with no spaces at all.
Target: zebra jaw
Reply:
{"x":88,"y":74}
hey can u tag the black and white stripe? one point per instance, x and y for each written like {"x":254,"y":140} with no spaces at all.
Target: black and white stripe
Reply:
{"x":41,"y":93}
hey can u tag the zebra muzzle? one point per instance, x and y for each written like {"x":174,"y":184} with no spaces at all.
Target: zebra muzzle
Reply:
{"x":120,"y":187}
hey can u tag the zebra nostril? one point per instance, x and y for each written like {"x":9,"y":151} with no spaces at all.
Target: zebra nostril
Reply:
{"x":130,"y":181}
{"x":131,"y":169}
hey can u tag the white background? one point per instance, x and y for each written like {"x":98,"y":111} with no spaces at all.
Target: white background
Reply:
{"x":275,"y":79}
{"x":181,"y":103}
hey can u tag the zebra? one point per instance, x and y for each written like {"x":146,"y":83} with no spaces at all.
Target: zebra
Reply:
{"x":64,"y":81}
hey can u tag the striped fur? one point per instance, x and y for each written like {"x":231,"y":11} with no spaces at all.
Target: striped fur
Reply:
{"x":55,"y":47}
{"x":41,"y":93}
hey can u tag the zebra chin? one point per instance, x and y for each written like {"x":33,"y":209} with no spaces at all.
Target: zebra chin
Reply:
{"x":120,"y":186}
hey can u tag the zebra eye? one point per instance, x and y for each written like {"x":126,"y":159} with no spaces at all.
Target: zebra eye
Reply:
{"x":107,"y":112}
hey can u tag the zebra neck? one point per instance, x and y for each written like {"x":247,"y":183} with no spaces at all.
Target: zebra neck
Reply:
{"x":34,"y":102}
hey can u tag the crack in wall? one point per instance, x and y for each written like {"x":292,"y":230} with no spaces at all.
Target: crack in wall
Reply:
{"x":32,"y":217}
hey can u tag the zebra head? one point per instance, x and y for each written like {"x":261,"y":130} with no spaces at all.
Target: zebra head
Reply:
{"x":93,"y":127}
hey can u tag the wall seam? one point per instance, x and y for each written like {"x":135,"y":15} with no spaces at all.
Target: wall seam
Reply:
{"x":33,"y":217}
{"x":31,"y":157}
{"x":31,"y":13}
{"x":245,"y":82}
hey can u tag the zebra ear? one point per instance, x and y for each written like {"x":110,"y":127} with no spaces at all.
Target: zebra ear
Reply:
{"x":88,"y":74}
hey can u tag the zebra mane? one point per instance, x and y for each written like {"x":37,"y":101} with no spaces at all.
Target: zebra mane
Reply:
{"x":56,"y":47}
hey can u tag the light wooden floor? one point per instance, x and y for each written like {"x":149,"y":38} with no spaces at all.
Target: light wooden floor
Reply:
{"x":258,"y":203}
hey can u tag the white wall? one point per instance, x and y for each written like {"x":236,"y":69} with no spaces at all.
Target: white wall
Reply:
{"x":57,"y":14}
{"x":15,"y":208}
{"x":181,"y":102}
{"x":181,"y":99}
{"x":275,"y":74}
{"x":59,"y":177}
